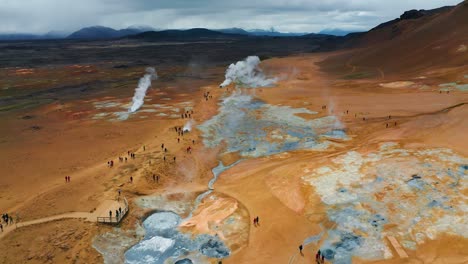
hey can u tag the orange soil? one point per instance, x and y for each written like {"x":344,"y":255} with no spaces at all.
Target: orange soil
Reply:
{"x":35,"y":162}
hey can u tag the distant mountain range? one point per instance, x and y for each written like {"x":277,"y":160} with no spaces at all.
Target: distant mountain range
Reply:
{"x":101,"y":32}
{"x":336,"y":32}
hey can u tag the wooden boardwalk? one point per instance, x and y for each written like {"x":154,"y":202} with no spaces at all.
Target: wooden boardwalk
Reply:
{"x":100,"y":215}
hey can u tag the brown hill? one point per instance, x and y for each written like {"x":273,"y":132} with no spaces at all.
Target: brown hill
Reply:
{"x":418,"y":40}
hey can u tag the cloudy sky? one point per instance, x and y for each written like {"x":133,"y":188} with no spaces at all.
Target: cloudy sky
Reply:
{"x":40,"y":16}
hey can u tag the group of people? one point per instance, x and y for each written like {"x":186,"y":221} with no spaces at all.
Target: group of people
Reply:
{"x":165,"y":151}
{"x":123,"y":159}
{"x":187,"y":114}
{"x":179,"y":130}
{"x":319,"y":257}
{"x":67,"y":178}
{"x":256,"y":221}
{"x":207,"y":96}
{"x":118,"y":213}
{"x":7,"y":219}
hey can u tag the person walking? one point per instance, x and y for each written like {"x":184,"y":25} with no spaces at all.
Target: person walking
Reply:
{"x":110,"y":214}
{"x":300,"y":250}
{"x":131,"y":179}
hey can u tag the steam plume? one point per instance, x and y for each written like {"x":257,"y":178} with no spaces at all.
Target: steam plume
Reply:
{"x":140,"y":91}
{"x":188,"y":126}
{"x":247,"y":73}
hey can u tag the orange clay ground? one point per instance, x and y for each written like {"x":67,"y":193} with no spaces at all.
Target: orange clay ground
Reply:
{"x":277,"y":188}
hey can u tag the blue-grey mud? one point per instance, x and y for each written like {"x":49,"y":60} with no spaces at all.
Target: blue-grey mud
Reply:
{"x":413,"y":195}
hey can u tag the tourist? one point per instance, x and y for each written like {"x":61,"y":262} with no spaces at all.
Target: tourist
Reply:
{"x":144,"y":147}
{"x":300,"y":249}
{"x":125,"y":159}
{"x":323,"y":259}
{"x":174,"y":159}
{"x":157,"y":179}
{"x":154,"y":177}
{"x":66,"y":178}
{"x":258,"y":221}
{"x":110,"y":213}
{"x":164,"y":158}
{"x":131,"y":179}
{"x":1,"y":227}
{"x":386,"y":125}
{"x":120,"y":210}
{"x":178,"y":140}
{"x":162,"y":146}
{"x":193,"y":141}
{"x":117,"y":215}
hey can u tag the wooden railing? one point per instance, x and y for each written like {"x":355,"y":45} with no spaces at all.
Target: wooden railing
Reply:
{"x":115,"y":219}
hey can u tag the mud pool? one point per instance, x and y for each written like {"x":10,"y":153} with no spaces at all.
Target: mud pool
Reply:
{"x":412,"y":195}
{"x":253,"y":128}
{"x":163,"y":241}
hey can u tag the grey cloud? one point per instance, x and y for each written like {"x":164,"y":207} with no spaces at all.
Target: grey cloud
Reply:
{"x":38,"y":16}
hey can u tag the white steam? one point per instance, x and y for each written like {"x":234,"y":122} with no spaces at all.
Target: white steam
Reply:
{"x":140,"y":91}
{"x":247,"y":73}
{"x":188,"y":126}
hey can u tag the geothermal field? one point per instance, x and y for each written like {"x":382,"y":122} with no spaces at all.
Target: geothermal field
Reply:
{"x":243,"y":156}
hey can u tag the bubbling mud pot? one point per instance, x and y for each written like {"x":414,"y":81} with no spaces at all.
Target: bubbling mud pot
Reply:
{"x":164,"y":241}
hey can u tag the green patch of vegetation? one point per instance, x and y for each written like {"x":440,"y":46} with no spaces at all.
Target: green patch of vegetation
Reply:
{"x":22,"y":105}
{"x":358,"y":75}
